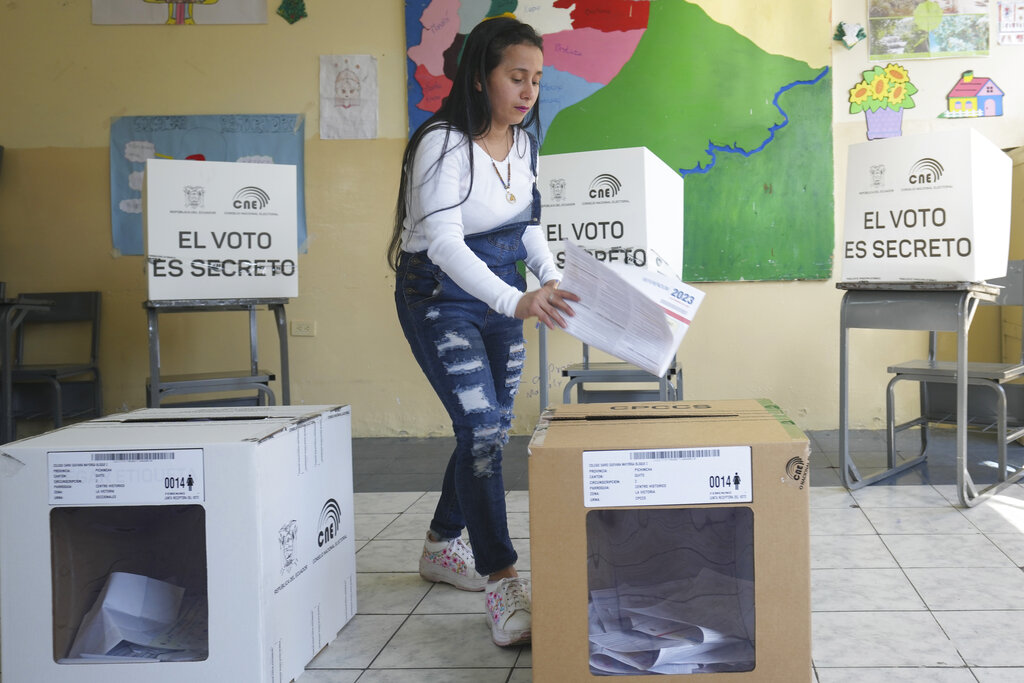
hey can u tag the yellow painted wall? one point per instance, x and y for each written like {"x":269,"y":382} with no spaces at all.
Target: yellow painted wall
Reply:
{"x":63,"y":79}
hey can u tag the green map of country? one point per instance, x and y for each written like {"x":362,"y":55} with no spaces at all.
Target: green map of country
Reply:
{"x":749,"y":131}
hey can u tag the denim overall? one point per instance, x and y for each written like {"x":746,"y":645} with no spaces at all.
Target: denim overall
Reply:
{"x":473,"y":358}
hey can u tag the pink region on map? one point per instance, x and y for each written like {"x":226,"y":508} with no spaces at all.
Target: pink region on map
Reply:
{"x":593,"y":55}
{"x":440,"y":22}
{"x":435,"y":89}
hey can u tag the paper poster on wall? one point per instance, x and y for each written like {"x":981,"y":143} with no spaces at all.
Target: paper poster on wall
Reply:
{"x":911,"y":29}
{"x":179,"y":12}
{"x":972,"y":97}
{"x":1011,"y":23}
{"x":348,"y":97}
{"x":252,"y":138}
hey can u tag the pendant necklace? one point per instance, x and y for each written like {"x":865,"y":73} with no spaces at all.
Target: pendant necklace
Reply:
{"x":506,"y":182}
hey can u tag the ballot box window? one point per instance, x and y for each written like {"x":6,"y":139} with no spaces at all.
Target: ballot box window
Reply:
{"x":141,"y":569}
{"x":670,"y":591}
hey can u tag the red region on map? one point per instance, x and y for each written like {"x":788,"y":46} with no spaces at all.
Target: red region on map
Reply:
{"x":435,"y":89}
{"x":607,"y":15}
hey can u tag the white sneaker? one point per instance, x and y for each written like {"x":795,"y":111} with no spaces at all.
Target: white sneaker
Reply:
{"x":450,"y":562}
{"x":508,"y":606}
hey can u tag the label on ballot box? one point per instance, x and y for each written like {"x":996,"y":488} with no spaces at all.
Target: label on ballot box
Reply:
{"x":931,"y":207}
{"x":219,"y":230}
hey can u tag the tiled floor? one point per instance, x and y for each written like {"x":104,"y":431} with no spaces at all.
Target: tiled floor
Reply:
{"x":906,"y":585}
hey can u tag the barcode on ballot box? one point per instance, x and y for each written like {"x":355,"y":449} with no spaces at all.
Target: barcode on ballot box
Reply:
{"x":133,"y":456}
{"x":679,"y":454}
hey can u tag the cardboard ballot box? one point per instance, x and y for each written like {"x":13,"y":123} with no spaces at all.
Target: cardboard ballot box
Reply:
{"x":929,"y":207}
{"x":622,"y":205}
{"x":220,"y":230}
{"x":670,"y":538}
{"x":236,"y":523}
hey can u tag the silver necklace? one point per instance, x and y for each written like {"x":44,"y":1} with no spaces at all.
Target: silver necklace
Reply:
{"x":506,"y":182}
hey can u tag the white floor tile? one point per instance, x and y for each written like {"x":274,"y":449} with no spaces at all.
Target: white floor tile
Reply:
{"x":434,"y":676}
{"x":941,"y":520}
{"x":369,"y":524}
{"x":1007,"y":675}
{"x":372,"y":503}
{"x":880,"y":639}
{"x":987,"y":639}
{"x":977,"y":588}
{"x":444,"y":641}
{"x":330,"y":676}
{"x":1012,"y":545}
{"x":839,"y":521}
{"x":389,"y":556}
{"x":899,"y":497}
{"x":830,"y":497}
{"x":358,"y":644}
{"x":858,"y":590}
{"x":850,"y":552}
{"x":383,"y":593}
{"x":907,"y":675}
{"x":955,"y":550}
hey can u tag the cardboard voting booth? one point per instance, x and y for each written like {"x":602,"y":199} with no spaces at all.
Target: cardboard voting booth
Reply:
{"x":669,"y":539}
{"x":929,"y":207}
{"x":621,"y":205}
{"x":220,"y":230}
{"x":164,"y":545}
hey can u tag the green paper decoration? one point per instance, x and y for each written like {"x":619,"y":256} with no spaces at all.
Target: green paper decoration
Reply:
{"x":292,"y":10}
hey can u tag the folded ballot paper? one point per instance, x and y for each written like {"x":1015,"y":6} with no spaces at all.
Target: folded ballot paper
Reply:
{"x":636,"y":315}
{"x":136,"y":618}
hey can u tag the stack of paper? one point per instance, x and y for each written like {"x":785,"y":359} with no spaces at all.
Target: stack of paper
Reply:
{"x":637,"y":315}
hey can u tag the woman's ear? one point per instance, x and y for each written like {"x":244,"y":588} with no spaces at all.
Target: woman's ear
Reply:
{"x":476,"y":84}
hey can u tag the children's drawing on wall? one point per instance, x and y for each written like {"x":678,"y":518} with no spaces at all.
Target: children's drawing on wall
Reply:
{"x":920,"y":30}
{"x":882,"y":95}
{"x":1011,"y":23}
{"x":179,"y":12}
{"x":348,"y":97}
{"x":973,"y":96}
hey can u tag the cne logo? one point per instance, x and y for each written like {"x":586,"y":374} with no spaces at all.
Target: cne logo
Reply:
{"x":796,"y":470}
{"x":252,"y":198}
{"x":925,"y":171}
{"x":604,"y":186}
{"x":330,"y":522}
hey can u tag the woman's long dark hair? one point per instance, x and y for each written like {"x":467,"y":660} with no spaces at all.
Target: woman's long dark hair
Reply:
{"x":466,"y":109}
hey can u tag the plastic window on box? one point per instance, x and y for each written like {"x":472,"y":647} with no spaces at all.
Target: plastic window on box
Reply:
{"x":671,"y":591}
{"x":146,"y":566}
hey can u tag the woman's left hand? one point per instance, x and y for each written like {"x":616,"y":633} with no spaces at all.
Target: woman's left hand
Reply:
{"x":548,"y":304}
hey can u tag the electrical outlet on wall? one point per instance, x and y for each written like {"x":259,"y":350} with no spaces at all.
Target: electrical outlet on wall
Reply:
{"x":303,"y":328}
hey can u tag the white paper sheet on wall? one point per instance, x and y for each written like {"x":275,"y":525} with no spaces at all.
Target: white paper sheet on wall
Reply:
{"x":348,"y":97}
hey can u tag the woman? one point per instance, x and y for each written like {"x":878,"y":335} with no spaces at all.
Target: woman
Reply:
{"x":468,"y":210}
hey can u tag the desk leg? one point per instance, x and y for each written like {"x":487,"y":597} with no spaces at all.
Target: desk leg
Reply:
{"x":965,"y":490}
{"x":7,"y":422}
{"x":153,"y":399}
{"x":282,"y":336}
{"x":847,"y":470}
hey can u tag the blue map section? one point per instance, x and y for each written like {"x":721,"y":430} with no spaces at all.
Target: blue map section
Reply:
{"x":278,"y":138}
{"x":558,"y":90}
{"x":413,"y":35}
{"x":713,"y":148}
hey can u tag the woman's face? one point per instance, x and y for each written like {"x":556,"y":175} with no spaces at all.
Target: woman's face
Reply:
{"x":513,"y":85}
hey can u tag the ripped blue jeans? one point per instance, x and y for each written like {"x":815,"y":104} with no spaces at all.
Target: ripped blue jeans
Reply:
{"x":473,"y":358}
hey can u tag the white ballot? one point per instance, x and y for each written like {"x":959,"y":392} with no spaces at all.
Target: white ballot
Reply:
{"x":139,"y":618}
{"x":637,"y":315}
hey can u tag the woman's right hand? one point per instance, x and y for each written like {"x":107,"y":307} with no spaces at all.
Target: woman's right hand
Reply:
{"x":547,"y":304}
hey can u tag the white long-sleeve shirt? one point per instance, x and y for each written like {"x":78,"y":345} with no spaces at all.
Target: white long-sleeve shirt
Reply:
{"x":442,"y":234}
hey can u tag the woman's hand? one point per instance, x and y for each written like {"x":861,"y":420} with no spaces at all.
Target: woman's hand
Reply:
{"x":548,"y":304}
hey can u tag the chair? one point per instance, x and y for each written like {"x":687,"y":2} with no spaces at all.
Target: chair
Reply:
{"x":65,"y":388}
{"x":989,"y":402}
{"x":619,"y":372}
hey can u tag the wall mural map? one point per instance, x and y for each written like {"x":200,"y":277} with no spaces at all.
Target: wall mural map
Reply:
{"x":750,"y":131}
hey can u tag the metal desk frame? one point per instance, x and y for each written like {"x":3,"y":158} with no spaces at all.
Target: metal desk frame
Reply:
{"x":13,"y":312}
{"x":217,"y":381}
{"x":926,"y":306}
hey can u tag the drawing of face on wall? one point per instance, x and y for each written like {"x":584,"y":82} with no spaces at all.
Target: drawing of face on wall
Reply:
{"x":346,"y":89}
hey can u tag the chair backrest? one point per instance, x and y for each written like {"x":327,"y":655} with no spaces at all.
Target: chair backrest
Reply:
{"x":63,"y":307}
